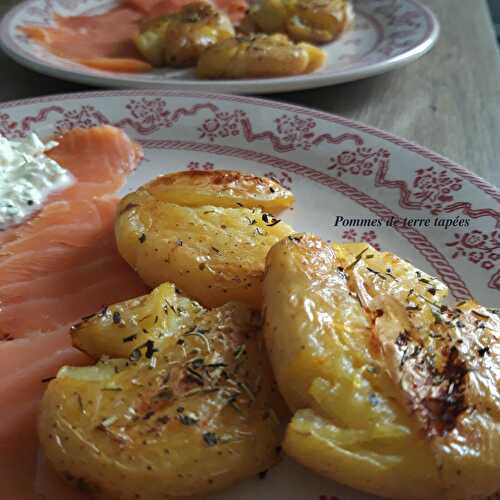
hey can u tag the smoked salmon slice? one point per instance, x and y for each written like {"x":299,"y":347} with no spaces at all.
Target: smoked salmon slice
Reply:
{"x":21,"y":388}
{"x":116,"y":65}
{"x":145,"y":6}
{"x":63,"y":264}
{"x":96,"y":41}
{"x":57,"y":267}
{"x":99,"y":158}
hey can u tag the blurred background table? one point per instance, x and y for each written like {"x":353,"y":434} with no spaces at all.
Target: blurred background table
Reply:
{"x":448,"y":101}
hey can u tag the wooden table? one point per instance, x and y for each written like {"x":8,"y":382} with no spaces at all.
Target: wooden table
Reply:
{"x":448,"y":101}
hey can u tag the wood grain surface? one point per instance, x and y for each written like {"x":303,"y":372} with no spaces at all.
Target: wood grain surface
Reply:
{"x":448,"y":101}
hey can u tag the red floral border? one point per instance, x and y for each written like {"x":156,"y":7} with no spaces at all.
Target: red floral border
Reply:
{"x":426,"y":154}
{"x":431,"y":189}
{"x":435,"y":189}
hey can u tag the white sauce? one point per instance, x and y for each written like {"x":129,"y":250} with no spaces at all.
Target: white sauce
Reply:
{"x":27,"y":178}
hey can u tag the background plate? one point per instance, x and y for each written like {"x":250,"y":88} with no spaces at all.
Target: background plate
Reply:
{"x":334,"y":167}
{"x":386,"y":34}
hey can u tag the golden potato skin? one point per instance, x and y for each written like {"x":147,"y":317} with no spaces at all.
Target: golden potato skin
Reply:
{"x":316,"y":21}
{"x":222,"y":188}
{"x":212,"y":252}
{"x":118,"y":329}
{"x":150,"y":41}
{"x":375,"y":366}
{"x":259,"y":56}
{"x":185,"y":415}
{"x":456,"y":397}
{"x":178,"y":39}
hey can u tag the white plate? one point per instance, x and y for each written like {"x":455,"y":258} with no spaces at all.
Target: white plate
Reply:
{"x":386,"y":34}
{"x":334,"y":166}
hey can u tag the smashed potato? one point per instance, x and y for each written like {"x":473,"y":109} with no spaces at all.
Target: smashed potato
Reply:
{"x":191,"y":410}
{"x":395,"y":393}
{"x":178,"y":39}
{"x":316,"y":21}
{"x":203,"y":231}
{"x":259,"y":56}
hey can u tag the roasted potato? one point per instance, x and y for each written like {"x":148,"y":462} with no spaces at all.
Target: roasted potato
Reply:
{"x":395,"y":393}
{"x":178,"y":39}
{"x":185,"y":413}
{"x":203,"y":231}
{"x":259,"y":56}
{"x":316,"y":21}
{"x":150,"y":42}
{"x":118,"y":329}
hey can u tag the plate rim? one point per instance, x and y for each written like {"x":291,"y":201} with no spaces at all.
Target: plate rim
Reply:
{"x":481,"y":183}
{"x":442,"y":265}
{"x":244,"y":86}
